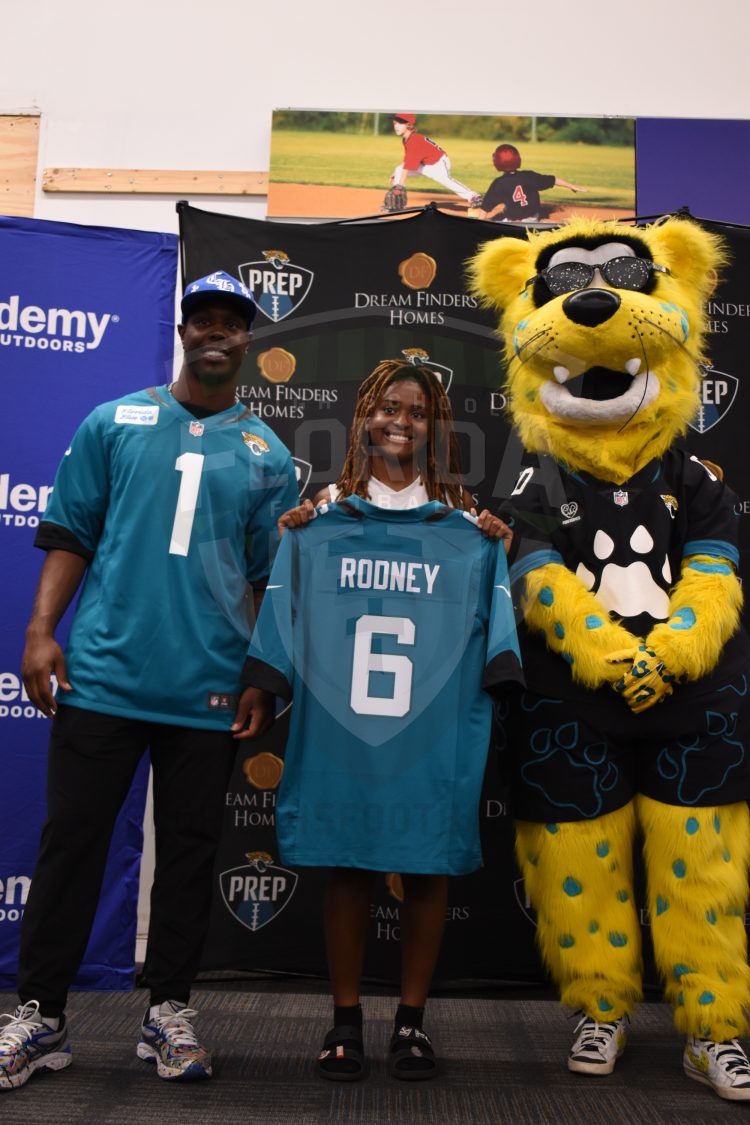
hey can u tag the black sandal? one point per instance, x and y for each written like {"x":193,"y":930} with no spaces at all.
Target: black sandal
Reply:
{"x":342,"y":1058}
{"x":410,"y":1055}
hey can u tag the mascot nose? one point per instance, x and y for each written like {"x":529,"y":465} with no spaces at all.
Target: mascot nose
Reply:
{"x":591,"y":306}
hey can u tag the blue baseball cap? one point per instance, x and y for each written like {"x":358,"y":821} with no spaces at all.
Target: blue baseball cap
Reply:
{"x":218,"y":286}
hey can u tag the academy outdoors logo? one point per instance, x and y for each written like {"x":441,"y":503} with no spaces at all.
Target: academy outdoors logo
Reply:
{"x":51,"y":329}
{"x":14,"y":890}
{"x":279,"y":286}
{"x":718,"y":391}
{"x":256,"y":893}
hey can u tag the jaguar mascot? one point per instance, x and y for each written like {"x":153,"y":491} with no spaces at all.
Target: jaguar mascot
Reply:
{"x":624,"y":565}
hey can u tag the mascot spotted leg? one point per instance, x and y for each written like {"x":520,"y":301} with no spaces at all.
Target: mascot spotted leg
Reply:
{"x":638,"y":672}
{"x":579,"y":878}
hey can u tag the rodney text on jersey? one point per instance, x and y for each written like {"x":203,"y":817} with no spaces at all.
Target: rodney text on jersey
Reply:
{"x":385,"y":574}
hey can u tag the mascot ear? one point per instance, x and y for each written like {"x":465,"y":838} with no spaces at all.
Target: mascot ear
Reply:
{"x":500,"y":270}
{"x":692,"y":254}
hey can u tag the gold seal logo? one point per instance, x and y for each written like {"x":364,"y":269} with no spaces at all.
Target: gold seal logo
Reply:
{"x":419,"y":271}
{"x":263,"y":770}
{"x":395,"y":885}
{"x":277,"y":365}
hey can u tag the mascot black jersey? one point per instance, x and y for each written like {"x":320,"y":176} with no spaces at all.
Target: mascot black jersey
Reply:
{"x":626,"y":543}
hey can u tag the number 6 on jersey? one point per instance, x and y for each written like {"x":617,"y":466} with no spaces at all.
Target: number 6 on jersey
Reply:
{"x":366,"y":661}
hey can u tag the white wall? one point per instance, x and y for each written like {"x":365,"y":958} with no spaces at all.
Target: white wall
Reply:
{"x":162,"y":84}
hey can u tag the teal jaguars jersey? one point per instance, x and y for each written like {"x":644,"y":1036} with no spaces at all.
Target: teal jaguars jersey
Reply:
{"x":178,"y":515}
{"x":388,"y":630}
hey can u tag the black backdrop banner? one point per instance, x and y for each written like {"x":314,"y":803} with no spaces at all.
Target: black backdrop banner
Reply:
{"x":334,"y":300}
{"x":721,"y":430}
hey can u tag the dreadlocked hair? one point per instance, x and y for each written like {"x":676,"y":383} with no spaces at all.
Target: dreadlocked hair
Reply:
{"x":439,"y":461}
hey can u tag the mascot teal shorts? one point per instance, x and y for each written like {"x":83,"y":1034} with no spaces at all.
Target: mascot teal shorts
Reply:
{"x":576,"y":764}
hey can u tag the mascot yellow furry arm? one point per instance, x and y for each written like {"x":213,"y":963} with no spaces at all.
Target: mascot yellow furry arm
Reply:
{"x":603,"y":327}
{"x":575,"y":624}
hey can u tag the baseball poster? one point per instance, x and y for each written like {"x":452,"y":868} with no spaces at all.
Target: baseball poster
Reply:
{"x":511,"y":169}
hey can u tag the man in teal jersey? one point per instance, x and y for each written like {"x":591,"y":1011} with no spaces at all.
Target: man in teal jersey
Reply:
{"x":168,"y":500}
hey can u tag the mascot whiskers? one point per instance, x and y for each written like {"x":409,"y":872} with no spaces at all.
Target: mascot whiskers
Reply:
{"x":624,"y":564}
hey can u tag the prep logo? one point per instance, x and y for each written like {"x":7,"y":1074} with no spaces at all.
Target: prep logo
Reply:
{"x":257,"y":893}
{"x":279,"y":286}
{"x":52,"y":329}
{"x":718,"y":391}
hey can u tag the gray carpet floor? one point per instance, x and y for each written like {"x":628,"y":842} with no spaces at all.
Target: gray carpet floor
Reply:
{"x":502,"y":1060}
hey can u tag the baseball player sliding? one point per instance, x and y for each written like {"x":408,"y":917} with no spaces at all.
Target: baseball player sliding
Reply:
{"x":422,"y":157}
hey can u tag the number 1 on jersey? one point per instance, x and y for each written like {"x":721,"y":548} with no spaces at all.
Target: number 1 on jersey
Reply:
{"x":191,"y":467}
{"x":366,"y":661}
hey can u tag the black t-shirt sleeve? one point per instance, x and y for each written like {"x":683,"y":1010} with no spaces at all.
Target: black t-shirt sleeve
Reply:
{"x":54,"y":537}
{"x":539,"y":181}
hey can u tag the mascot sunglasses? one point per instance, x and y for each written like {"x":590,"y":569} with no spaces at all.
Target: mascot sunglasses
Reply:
{"x":622,"y":273}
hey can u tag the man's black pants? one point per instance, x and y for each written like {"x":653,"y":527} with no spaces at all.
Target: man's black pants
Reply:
{"x":92,"y":762}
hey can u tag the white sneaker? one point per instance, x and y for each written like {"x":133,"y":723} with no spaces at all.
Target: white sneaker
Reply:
{"x":724,"y":1066}
{"x":27,"y":1044}
{"x":597,"y":1046}
{"x":168,"y":1039}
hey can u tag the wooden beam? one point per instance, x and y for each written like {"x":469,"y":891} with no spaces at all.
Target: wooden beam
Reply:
{"x":19,"y":141}
{"x":152,"y":181}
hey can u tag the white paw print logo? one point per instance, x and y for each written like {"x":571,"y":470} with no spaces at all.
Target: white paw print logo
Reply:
{"x":628,"y":590}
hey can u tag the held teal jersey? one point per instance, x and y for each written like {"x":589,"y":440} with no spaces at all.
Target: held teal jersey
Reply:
{"x":387,"y":629}
{"x":177,"y":515}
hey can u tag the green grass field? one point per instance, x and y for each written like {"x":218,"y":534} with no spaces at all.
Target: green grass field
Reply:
{"x":349,"y":160}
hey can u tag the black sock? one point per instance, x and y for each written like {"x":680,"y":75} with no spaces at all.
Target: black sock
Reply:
{"x":406,"y":1016}
{"x":350,"y":1016}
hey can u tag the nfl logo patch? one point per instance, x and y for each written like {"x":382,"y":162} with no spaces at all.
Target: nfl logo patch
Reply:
{"x":196,"y":428}
{"x":620,"y":498}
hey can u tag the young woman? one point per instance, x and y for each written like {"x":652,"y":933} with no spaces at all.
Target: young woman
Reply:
{"x":402,"y":453}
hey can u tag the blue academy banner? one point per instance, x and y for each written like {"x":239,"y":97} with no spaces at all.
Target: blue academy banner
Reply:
{"x":86,"y":314}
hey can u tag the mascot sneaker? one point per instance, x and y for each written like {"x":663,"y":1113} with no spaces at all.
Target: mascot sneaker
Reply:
{"x":597,"y":1046}
{"x":724,"y":1066}
{"x":168,"y":1040}
{"x":27,"y":1044}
